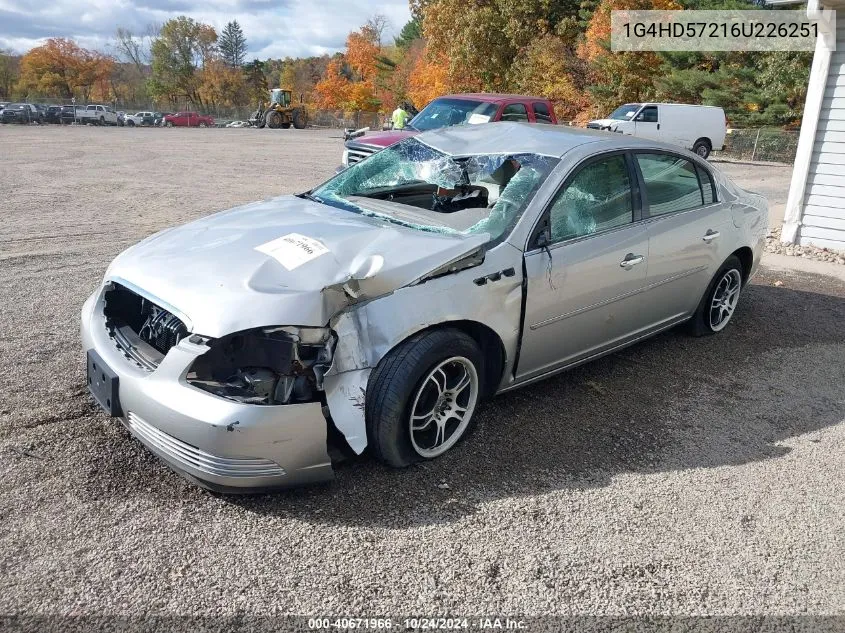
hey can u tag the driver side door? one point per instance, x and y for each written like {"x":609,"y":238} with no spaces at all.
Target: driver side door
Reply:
{"x":586,"y":268}
{"x":647,"y":123}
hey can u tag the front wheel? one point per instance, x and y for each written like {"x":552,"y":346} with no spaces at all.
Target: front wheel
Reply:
{"x":169,"y":124}
{"x":203,"y":124}
{"x":422,"y":396}
{"x":719,"y":302}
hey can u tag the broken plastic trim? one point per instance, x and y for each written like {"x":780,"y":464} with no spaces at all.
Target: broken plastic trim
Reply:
{"x":266,"y":366}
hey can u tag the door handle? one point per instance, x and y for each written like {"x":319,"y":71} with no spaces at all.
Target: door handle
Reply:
{"x":631,"y":260}
{"x":710,"y":235}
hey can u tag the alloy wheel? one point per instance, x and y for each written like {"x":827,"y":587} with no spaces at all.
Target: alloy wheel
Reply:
{"x":725,"y":298}
{"x":443,"y":406}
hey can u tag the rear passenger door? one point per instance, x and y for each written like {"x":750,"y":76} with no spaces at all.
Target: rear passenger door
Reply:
{"x":689,"y":231}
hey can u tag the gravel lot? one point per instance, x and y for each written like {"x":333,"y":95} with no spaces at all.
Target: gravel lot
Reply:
{"x":678,"y":477}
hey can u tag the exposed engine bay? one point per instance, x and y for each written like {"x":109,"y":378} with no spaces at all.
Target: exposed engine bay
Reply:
{"x":269,"y":366}
{"x":144,"y":331}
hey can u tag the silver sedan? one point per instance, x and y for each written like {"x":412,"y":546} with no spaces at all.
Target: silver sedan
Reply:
{"x":250,"y":348}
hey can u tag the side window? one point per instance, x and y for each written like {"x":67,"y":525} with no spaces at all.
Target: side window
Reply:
{"x":515,"y":112}
{"x":708,"y":189}
{"x":648,"y":115}
{"x":671,"y":183}
{"x":596,"y":199}
{"x":541,"y":113}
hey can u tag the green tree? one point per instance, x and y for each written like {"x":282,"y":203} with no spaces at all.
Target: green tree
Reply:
{"x":411,"y":32}
{"x":256,"y":81}
{"x":9,"y":73}
{"x":232,"y":44}
{"x":178,"y":53}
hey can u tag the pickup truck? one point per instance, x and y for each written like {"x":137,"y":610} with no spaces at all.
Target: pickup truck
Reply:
{"x":96,"y":115}
{"x":188,"y":119}
{"x":454,"y":110}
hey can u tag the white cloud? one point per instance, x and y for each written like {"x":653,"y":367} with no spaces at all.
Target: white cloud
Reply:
{"x":273,"y":28}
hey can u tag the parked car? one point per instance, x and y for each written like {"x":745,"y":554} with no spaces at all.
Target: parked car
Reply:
{"x":3,"y":104}
{"x":144,"y":118}
{"x":69,"y":114}
{"x":188,"y":119}
{"x":159,"y":118}
{"x":381,"y":307}
{"x":96,"y":115}
{"x":454,"y":110}
{"x":53,"y":114}
{"x":695,"y":127}
{"x":21,"y":113}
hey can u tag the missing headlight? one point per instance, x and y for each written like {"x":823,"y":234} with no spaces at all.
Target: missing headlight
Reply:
{"x":273,"y":365}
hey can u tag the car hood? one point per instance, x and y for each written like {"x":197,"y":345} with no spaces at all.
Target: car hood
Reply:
{"x":257,"y":265}
{"x":385,"y":139}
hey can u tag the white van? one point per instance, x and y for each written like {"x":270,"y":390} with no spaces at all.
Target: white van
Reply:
{"x":695,"y":127}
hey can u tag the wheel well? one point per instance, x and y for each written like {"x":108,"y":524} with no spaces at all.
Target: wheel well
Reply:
{"x":705,"y":139}
{"x":746,"y":258}
{"x":491,"y":346}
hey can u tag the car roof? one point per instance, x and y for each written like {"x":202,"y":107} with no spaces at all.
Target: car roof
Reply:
{"x":492,"y":97}
{"x":507,"y":137}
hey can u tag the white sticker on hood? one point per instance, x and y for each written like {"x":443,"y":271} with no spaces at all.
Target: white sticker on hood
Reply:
{"x":293,"y":250}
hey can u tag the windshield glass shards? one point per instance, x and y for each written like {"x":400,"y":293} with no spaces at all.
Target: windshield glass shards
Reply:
{"x":420,"y":187}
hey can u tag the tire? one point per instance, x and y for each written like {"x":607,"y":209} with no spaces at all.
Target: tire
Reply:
{"x":406,"y":382}
{"x":102,"y":121}
{"x":299,"y":119}
{"x":130,"y":124}
{"x":169,"y":124}
{"x":730,"y":274}
{"x":274,"y":119}
{"x":702,"y":147}
{"x":203,"y":124}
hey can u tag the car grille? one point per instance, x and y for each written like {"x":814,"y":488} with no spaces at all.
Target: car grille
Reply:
{"x":593,"y":126}
{"x":357,"y":152}
{"x":192,"y":457}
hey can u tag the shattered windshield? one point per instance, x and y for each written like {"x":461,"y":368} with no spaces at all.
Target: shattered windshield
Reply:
{"x":420,"y":187}
{"x":447,"y":112}
{"x":625,"y":112}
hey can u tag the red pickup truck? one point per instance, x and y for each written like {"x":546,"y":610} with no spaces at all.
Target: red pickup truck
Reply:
{"x":188,"y":119}
{"x":454,"y":110}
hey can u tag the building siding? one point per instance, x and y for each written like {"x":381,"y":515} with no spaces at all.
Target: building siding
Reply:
{"x":823,"y":222}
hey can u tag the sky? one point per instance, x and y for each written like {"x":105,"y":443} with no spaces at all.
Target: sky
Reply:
{"x":273,"y":28}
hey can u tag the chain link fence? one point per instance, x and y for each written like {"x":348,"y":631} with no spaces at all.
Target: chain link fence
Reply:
{"x":763,"y":144}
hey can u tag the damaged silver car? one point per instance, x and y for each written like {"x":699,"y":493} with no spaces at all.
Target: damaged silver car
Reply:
{"x":378,"y":310}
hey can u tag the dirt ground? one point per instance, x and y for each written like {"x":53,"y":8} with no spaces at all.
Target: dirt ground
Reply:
{"x":679,"y":477}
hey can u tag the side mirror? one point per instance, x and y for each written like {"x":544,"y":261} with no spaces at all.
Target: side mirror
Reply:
{"x":543,"y":238}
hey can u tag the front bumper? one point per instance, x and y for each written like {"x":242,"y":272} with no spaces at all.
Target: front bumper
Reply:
{"x":218,"y":443}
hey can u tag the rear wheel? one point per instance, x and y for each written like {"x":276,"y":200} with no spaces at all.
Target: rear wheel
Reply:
{"x":299,"y":119}
{"x":130,"y":123}
{"x":203,"y":124}
{"x":422,"y":396}
{"x":702,"y":147}
{"x":719,"y":302}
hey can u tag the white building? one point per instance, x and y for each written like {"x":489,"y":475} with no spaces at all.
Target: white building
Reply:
{"x":815,"y":209}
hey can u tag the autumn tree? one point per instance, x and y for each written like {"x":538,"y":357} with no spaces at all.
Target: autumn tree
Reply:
{"x":9,"y":73}
{"x":232,"y":44}
{"x":333,"y":91}
{"x":180,"y":51}
{"x":62,"y":68}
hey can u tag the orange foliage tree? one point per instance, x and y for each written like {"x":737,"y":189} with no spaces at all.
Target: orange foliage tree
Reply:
{"x":333,"y":90}
{"x":619,"y":77}
{"x":62,"y":68}
{"x":429,"y":78}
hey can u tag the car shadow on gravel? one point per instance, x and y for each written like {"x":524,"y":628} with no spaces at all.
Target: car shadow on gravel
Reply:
{"x":670,"y":403}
